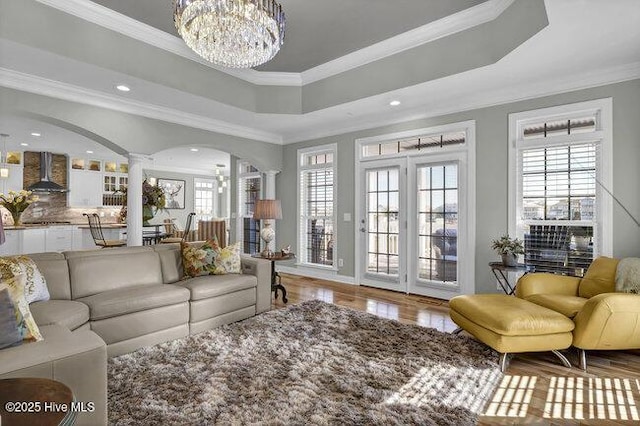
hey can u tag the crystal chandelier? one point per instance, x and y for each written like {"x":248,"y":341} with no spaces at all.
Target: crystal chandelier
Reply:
{"x":231,"y":33}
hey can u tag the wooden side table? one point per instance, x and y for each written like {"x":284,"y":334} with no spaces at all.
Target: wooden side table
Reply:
{"x":34,"y":401}
{"x":276,"y":279}
{"x":499,"y":270}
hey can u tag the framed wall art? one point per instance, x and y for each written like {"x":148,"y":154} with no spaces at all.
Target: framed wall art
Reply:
{"x":174,"y":192}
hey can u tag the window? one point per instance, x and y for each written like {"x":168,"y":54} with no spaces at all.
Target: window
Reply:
{"x":379,"y":149}
{"x":559,"y":165}
{"x":316,"y":235}
{"x":205,"y":192}
{"x":249,"y":190}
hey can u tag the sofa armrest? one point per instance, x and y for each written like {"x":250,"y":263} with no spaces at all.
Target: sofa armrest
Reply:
{"x":544,"y":283}
{"x":609,"y":321}
{"x":261,"y":269}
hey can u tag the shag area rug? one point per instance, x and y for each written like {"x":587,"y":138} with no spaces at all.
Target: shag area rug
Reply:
{"x":313,"y":363}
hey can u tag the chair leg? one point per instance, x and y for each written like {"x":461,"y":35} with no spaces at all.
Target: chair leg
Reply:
{"x":504,"y":362}
{"x":563,"y":358}
{"x":583,"y":359}
{"x":457,"y":330}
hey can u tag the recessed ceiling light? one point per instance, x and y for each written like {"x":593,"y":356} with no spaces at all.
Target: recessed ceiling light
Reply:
{"x":123,"y":88}
{"x":24,"y":144}
{"x":36,"y":134}
{"x":194,"y":150}
{"x":395,"y":103}
{"x":89,"y":152}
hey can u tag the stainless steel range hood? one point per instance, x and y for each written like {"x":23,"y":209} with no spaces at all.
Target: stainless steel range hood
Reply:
{"x":46,"y":184}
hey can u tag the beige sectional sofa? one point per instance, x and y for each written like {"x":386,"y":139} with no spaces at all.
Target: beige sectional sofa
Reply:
{"x":112,"y":301}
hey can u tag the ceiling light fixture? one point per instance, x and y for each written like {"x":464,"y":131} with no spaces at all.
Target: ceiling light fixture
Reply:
{"x":231,"y":33}
{"x":123,"y":88}
{"x":194,"y":150}
{"x":36,"y":134}
{"x":395,"y":103}
{"x":89,"y":152}
{"x":24,"y":144}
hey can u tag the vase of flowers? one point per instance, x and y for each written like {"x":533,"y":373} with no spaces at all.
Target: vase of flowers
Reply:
{"x":153,"y":199}
{"x":508,"y":249}
{"x":16,"y":203}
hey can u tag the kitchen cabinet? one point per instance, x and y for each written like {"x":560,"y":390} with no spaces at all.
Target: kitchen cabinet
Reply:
{"x":59,"y":238}
{"x":33,"y":240}
{"x":13,"y":242}
{"x":85,"y":188}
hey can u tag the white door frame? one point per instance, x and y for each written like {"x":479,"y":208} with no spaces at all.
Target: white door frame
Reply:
{"x":467,"y":173}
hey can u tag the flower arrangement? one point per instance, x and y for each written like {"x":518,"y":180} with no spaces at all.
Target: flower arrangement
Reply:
{"x":153,"y":199}
{"x":17,"y":202}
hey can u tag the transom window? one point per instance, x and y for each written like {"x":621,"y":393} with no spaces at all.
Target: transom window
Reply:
{"x":316,"y":235}
{"x":379,"y":149}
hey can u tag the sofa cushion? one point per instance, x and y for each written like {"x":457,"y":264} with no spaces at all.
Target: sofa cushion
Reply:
{"x":600,"y":278}
{"x":568,"y":306}
{"x":171,"y":261}
{"x":26,"y":324}
{"x":10,"y":334}
{"x":133,"y":299}
{"x":67,"y":313}
{"x":35,"y":286}
{"x":92,"y":274}
{"x":55,"y":269}
{"x":218,"y":285}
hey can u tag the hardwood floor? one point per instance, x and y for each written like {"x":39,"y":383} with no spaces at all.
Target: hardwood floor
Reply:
{"x":536,"y":388}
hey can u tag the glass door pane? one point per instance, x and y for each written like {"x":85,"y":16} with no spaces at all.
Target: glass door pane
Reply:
{"x":437,"y":209}
{"x":383,"y":222}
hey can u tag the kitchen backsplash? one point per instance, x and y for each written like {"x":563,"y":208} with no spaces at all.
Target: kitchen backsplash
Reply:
{"x":44,"y":212}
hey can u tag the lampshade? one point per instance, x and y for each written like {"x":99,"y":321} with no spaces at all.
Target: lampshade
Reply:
{"x":267,"y":209}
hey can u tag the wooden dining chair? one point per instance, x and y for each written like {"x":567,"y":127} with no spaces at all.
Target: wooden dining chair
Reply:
{"x":178,"y":236}
{"x":96,"y":233}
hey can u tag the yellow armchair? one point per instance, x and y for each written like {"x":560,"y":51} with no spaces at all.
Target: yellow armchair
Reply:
{"x":604,"y":320}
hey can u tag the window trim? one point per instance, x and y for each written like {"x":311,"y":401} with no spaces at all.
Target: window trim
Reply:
{"x":302,"y":153}
{"x":603,"y":135}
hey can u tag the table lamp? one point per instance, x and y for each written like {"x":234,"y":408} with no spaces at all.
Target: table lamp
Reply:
{"x":267,"y":210}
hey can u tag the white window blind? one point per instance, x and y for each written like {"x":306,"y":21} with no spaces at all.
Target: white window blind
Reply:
{"x":317,"y":213}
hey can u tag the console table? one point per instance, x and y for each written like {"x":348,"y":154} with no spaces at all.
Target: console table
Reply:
{"x":276,"y":279}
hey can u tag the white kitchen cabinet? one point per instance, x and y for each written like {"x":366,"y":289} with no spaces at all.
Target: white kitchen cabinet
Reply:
{"x":85,"y":188}
{"x":59,"y":238}
{"x":13,"y":242}
{"x":14,"y":181}
{"x":33,"y":240}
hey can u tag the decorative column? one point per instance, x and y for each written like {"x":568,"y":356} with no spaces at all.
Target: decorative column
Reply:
{"x":270,"y":194}
{"x":134,"y":199}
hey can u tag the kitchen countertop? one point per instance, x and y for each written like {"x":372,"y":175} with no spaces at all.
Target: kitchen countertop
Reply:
{"x":53,"y":225}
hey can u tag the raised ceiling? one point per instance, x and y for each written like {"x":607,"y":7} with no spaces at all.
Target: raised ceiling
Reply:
{"x":319,"y":31}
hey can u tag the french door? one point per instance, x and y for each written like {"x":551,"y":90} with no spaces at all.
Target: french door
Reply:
{"x":413,"y":228}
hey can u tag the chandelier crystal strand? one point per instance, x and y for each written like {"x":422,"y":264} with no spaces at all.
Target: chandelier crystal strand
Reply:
{"x":231,"y":33}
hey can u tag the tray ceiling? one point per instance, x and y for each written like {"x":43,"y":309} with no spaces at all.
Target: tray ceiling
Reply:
{"x":319,"y":31}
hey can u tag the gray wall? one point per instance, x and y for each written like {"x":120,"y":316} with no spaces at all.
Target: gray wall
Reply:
{"x":491,"y":175}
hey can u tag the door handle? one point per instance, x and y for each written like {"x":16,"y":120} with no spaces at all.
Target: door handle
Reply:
{"x":363,"y":229}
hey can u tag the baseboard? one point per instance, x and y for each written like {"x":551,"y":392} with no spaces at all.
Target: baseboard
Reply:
{"x":317,"y":273}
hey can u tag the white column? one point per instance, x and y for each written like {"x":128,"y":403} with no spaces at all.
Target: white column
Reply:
{"x":270,"y":194}
{"x":134,"y":199}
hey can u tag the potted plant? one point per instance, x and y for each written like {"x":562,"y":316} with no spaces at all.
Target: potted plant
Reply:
{"x":509,"y":249}
{"x":153,"y":199}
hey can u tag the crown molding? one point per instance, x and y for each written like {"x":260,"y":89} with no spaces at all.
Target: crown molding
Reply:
{"x":41,"y":86}
{"x":107,"y":18}
{"x":532,"y":90}
{"x":463,"y":20}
